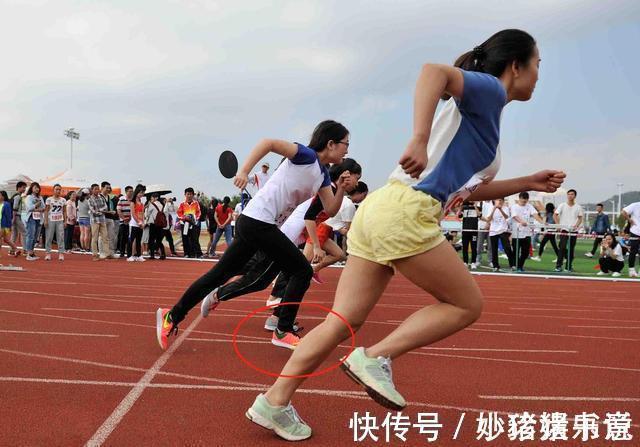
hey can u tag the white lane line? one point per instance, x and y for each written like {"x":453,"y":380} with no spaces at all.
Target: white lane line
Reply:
{"x":80,"y":297}
{"x":606,"y":327}
{"x":226,"y":340}
{"x":546,"y":351}
{"x":557,"y":317}
{"x":130,"y":399}
{"x":100,"y":310}
{"x":120,"y":323}
{"x":474,"y":324}
{"x":564,"y":398}
{"x":128,"y":368}
{"x":358,"y":395}
{"x":529,"y":362}
{"x":550,"y":334}
{"x":75,"y":334}
{"x":556,"y":309}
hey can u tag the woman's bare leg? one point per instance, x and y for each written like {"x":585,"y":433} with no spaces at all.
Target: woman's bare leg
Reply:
{"x":354,"y":303}
{"x":441,"y":273}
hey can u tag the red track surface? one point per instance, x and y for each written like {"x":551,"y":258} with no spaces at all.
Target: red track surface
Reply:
{"x":58,"y":389}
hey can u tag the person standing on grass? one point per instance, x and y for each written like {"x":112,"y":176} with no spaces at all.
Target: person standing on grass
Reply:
{"x":632,"y":214}
{"x":569,"y":216}
{"x":611,"y":257}
{"x":498,"y":220}
{"x":302,"y":174}
{"x":124,"y":215}
{"x":136,"y":223}
{"x":34,"y":208}
{"x":396,"y":228}
{"x":18,"y":229}
{"x":6,"y":220}
{"x":522,"y":216}
{"x":71,"y":220}
{"x":549,"y":233}
{"x":84,"y":220}
{"x":600,"y":227}
{"x":97,"y":211}
{"x":483,"y":233}
{"x":470,"y":214}
{"x":55,"y":215}
{"x":222,"y":218}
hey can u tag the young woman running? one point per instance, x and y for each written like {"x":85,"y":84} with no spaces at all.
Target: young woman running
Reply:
{"x":396,"y":228}
{"x":299,"y":177}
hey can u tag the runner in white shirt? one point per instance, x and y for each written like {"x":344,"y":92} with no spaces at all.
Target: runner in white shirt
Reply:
{"x":498,"y":219}
{"x":632,"y":214}
{"x":55,"y":215}
{"x":569,"y":215}
{"x":299,"y":177}
{"x":523,"y":215}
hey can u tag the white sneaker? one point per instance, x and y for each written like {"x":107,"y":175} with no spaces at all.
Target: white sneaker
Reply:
{"x":140,"y":259}
{"x":32,"y":258}
{"x":616,"y":274}
{"x":589,"y":254}
{"x":632,"y":273}
{"x":536,"y":258}
{"x":131,"y":259}
{"x":271,"y":323}
{"x":47,"y":257}
{"x":600,"y":273}
{"x":60,"y":257}
{"x":474,"y":266}
{"x":209,"y":303}
{"x":274,"y":301}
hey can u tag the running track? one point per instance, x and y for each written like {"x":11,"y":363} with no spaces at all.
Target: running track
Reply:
{"x":80,"y":364}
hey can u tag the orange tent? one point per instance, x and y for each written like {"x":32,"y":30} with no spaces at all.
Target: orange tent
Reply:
{"x":69,"y":181}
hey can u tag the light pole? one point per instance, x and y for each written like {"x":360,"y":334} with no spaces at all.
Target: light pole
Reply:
{"x":72,"y":134}
{"x":620,"y":185}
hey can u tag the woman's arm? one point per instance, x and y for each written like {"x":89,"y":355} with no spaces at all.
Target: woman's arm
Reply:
{"x":546,"y":181}
{"x":434,"y":81}
{"x":264,"y":147}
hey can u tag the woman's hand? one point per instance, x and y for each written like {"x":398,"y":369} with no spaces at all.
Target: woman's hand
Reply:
{"x":241,"y":180}
{"x":547,"y":180}
{"x":414,"y":159}
{"x":318,"y":254}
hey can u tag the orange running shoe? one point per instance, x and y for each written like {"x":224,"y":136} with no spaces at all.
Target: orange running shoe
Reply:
{"x":164,"y":327}
{"x":287,"y":340}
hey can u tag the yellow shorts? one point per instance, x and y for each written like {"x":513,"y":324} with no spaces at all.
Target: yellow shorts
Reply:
{"x":395,"y":222}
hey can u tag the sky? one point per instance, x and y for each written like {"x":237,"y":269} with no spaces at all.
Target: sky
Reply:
{"x":159,"y":89}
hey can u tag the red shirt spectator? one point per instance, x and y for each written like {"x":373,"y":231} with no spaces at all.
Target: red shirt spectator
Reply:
{"x":223,"y":214}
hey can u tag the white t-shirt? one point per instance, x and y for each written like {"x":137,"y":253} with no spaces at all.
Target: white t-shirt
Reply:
{"x":294,"y":226}
{"x":633,"y":211}
{"x":292,"y":183}
{"x":259,"y":179}
{"x":487,"y":206}
{"x":617,"y":253}
{"x":236,"y":211}
{"x":344,"y":216}
{"x":569,"y":215}
{"x":525,"y":213}
{"x":499,"y":224}
{"x":55,"y":208}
